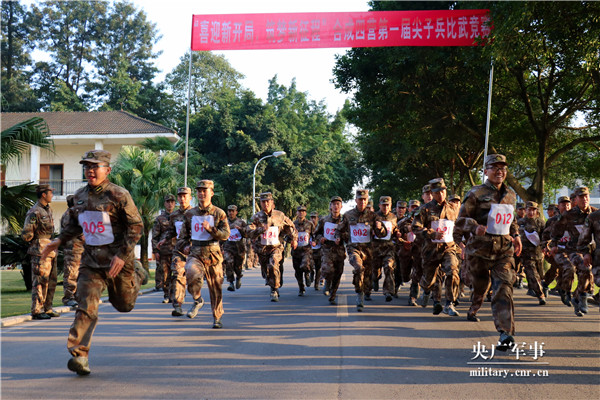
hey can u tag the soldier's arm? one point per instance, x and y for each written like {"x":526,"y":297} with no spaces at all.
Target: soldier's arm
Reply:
{"x":134,"y":224}
{"x":584,"y":245}
{"x":318,"y":235}
{"x":419,"y":225}
{"x":185,"y":235}
{"x":29,"y":226}
{"x":290,"y":229}
{"x":341,"y":232}
{"x":254,"y":229}
{"x":379,"y":229}
{"x":221,"y":229}
{"x":155,"y":235}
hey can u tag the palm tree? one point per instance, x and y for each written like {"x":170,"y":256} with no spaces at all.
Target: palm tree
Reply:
{"x":149,"y":177}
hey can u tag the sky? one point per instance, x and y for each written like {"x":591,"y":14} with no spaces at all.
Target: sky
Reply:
{"x":312,"y":68}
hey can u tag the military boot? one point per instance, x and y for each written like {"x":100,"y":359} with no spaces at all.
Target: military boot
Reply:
{"x":437,"y":308}
{"x":360,"y":302}
{"x":505,"y":341}
{"x":231,"y":287}
{"x":79,"y":365}
{"x":198,"y":304}
{"x":577,"y":307}
{"x":177,"y":311}
{"x":583,"y":303}
{"x":425,"y":299}
{"x":238,"y":282}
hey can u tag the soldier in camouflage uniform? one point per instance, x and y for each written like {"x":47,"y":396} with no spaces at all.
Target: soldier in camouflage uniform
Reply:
{"x":554,"y":272}
{"x":332,"y":251}
{"x":552,"y":210}
{"x":518,"y":263}
{"x":268,"y":226}
{"x":301,"y":255}
{"x":178,"y":260}
{"x":410,"y":254}
{"x":487,"y":213}
{"x":435,"y":224}
{"x":356,"y":229}
{"x":531,"y":229}
{"x":384,"y":249}
{"x":234,"y":249}
{"x":72,"y":251}
{"x":108,"y":218}
{"x":203,"y":227}
{"x":591,"y":249}
{"x":402,"y":269}
{"x":565,"y":237}
{"x":315,"y":272}
{"x":163,"y":254}
{"x":38,"y":230}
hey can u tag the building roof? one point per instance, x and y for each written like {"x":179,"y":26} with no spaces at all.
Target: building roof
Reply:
{"x":89,"y":123}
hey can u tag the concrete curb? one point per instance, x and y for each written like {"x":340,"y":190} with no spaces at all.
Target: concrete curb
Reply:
{"x":18,"y":319}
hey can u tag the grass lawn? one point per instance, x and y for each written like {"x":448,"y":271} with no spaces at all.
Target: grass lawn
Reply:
{"x":16,"y":300}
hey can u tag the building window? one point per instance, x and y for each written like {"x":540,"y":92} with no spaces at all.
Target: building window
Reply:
{"x":52,"y":174}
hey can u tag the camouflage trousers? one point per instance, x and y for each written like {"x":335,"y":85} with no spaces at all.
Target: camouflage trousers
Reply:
{"x":596,"y":267}
{"x":178,"y":280}
{"x":361,"y":259}
{"x":570,"y":264}
{"x":302,"y":262}
{"x":43,"y":284}
{"x":384,"y":261}
{"x":553,"y":273}
{"x":532,"y":268}
{"x":122,"y":294}
{"x":234,"y":262}
{"x":439,"y":266}
{"x":70,"y":273}
{"x":270,"y":259}
{"x":251,"y":257}
{"x":316,"y":259}
{"x":416,"y":272}
{"x":332,"y":268}
{"x":162,"y":277}
{"x":206,"y":262}
{"x":503,"y":276}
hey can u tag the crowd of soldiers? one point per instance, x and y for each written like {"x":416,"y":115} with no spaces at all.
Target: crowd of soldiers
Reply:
{"x":439,"y":246}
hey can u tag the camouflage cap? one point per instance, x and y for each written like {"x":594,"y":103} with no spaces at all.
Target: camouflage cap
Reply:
{"x":437,"y":185}
{"x":520,"y":206}
{"x":232,"y":207}
{"x":266,"y":196}
{"x":401,"y":204}
{"x":385,"y":200}
{"x":314,"y":214}
{"x":581,"y":191}
{"x":301,"y":208}
{"x":572,"y":196}
{"x":335,"y":198}
{"x":362,"y":194}
{"x":169,"y":197}
{"x":492,"y":159}
{"x":531,"y":204}
{"x":96,"y":157}
{"x":414,"y":203}
{"x":43,"y":188}
{"x":454,"y":197}
{"x":426,"y":189}
{"x":184,"y":190}
{"x":552,"y":207}
{"x":563,"y":199}
{"x":205,"y":184}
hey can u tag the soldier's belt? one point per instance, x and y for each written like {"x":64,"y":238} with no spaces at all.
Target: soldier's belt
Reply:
{"x":205,"y":243}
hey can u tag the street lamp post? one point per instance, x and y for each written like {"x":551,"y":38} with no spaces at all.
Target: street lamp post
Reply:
{"x":275,"y":154}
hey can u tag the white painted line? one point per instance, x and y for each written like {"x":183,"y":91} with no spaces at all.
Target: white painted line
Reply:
{"x":342,"y":307}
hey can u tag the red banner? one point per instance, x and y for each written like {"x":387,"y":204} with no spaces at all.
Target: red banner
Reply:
{"x":343,"y":29}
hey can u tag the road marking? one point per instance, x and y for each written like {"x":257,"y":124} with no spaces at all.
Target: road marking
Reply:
{"x":342,"y":307}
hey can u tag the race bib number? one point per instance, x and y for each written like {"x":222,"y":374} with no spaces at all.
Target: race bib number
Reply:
{"x":360,"y":233}
{"x":270,"y":237}
{"x":566,"y":238}
{"x":97,"y":229}
{"x":234,"y":235}
{"x":198,"y":231}
{"x":388,"y":226}
{"x":533,"y":237}
{"x":410,"y":237}
{"x":303,"y":239}
{"x":329,"y":231}
{"x":446,"y":227}
{"x":499,"y":219}
{"x":178,"y":225}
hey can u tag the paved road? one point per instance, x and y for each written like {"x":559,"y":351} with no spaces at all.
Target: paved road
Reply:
{"x":304,"y":348}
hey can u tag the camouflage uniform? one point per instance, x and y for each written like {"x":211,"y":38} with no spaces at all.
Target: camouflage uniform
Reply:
{"x":251,"y":256}
{"x":490,"y":255}
{"x":439,"y":253}
{"x":315,"y":272}
{"x":591,"y":227}
{"x":518,"y":262}
{"x":72,"y":251}
{"x":205,"y":259}
{"x":38,"y":229}
{"x":402,"y":269}
{"x":301,"y":256}
{"x":531,"y":231}
{"x":269,"y":244}
{"x":384,"y":251}
{"x":160,"y":229}
{"x":554,"y":271}
{"x":234,"y":251}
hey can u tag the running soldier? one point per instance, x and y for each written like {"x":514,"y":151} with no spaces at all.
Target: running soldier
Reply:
{"x":72,"y":251}
{"x":316,"y":253}
{"x":531,"y":229}
{"x":435,"y":224}
{"x":268,"y":225}
{"x":518,"y":263}
{"x":301,"y":255}
{"x":402,"y":270}
{"x":383,"y":249}
{"x":203,"y":227}
{"x":163,"y":254}
{"x":234,"y":249}
{"x":410,"y":255}
{"x":487,"y":213}
{"x":38,"y":230}
{"x":332,"y":251}
{"x":356,"y":229}
{"x":108,"y":218}
{"x":554,"y":272}
{"x":565,"y":237}
{"x":591,"y":249}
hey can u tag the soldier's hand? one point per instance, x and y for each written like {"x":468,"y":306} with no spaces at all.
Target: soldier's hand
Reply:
{"x":186,"y":250}
{"x":378,"y":224}
{"x":587,"y":260}
{"x":294,"y":244}
{"x":481,"y":230}
{"x":116,"y":265}
{"x":156,"y":257}
{"x":206,"y":225}
{"x":160,"y":243}
{"x":438,"y":235}
{"x":518,"y":245}
{"x":323,"y":240}
{"x":52,"y":246}
{"x":313,"y":243}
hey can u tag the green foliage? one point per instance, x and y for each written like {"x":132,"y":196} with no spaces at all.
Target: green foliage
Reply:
{"x":16,"y":201}
{"x":18,"y":138}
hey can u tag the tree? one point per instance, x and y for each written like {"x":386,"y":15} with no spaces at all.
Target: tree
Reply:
{"x":148,"y":177}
